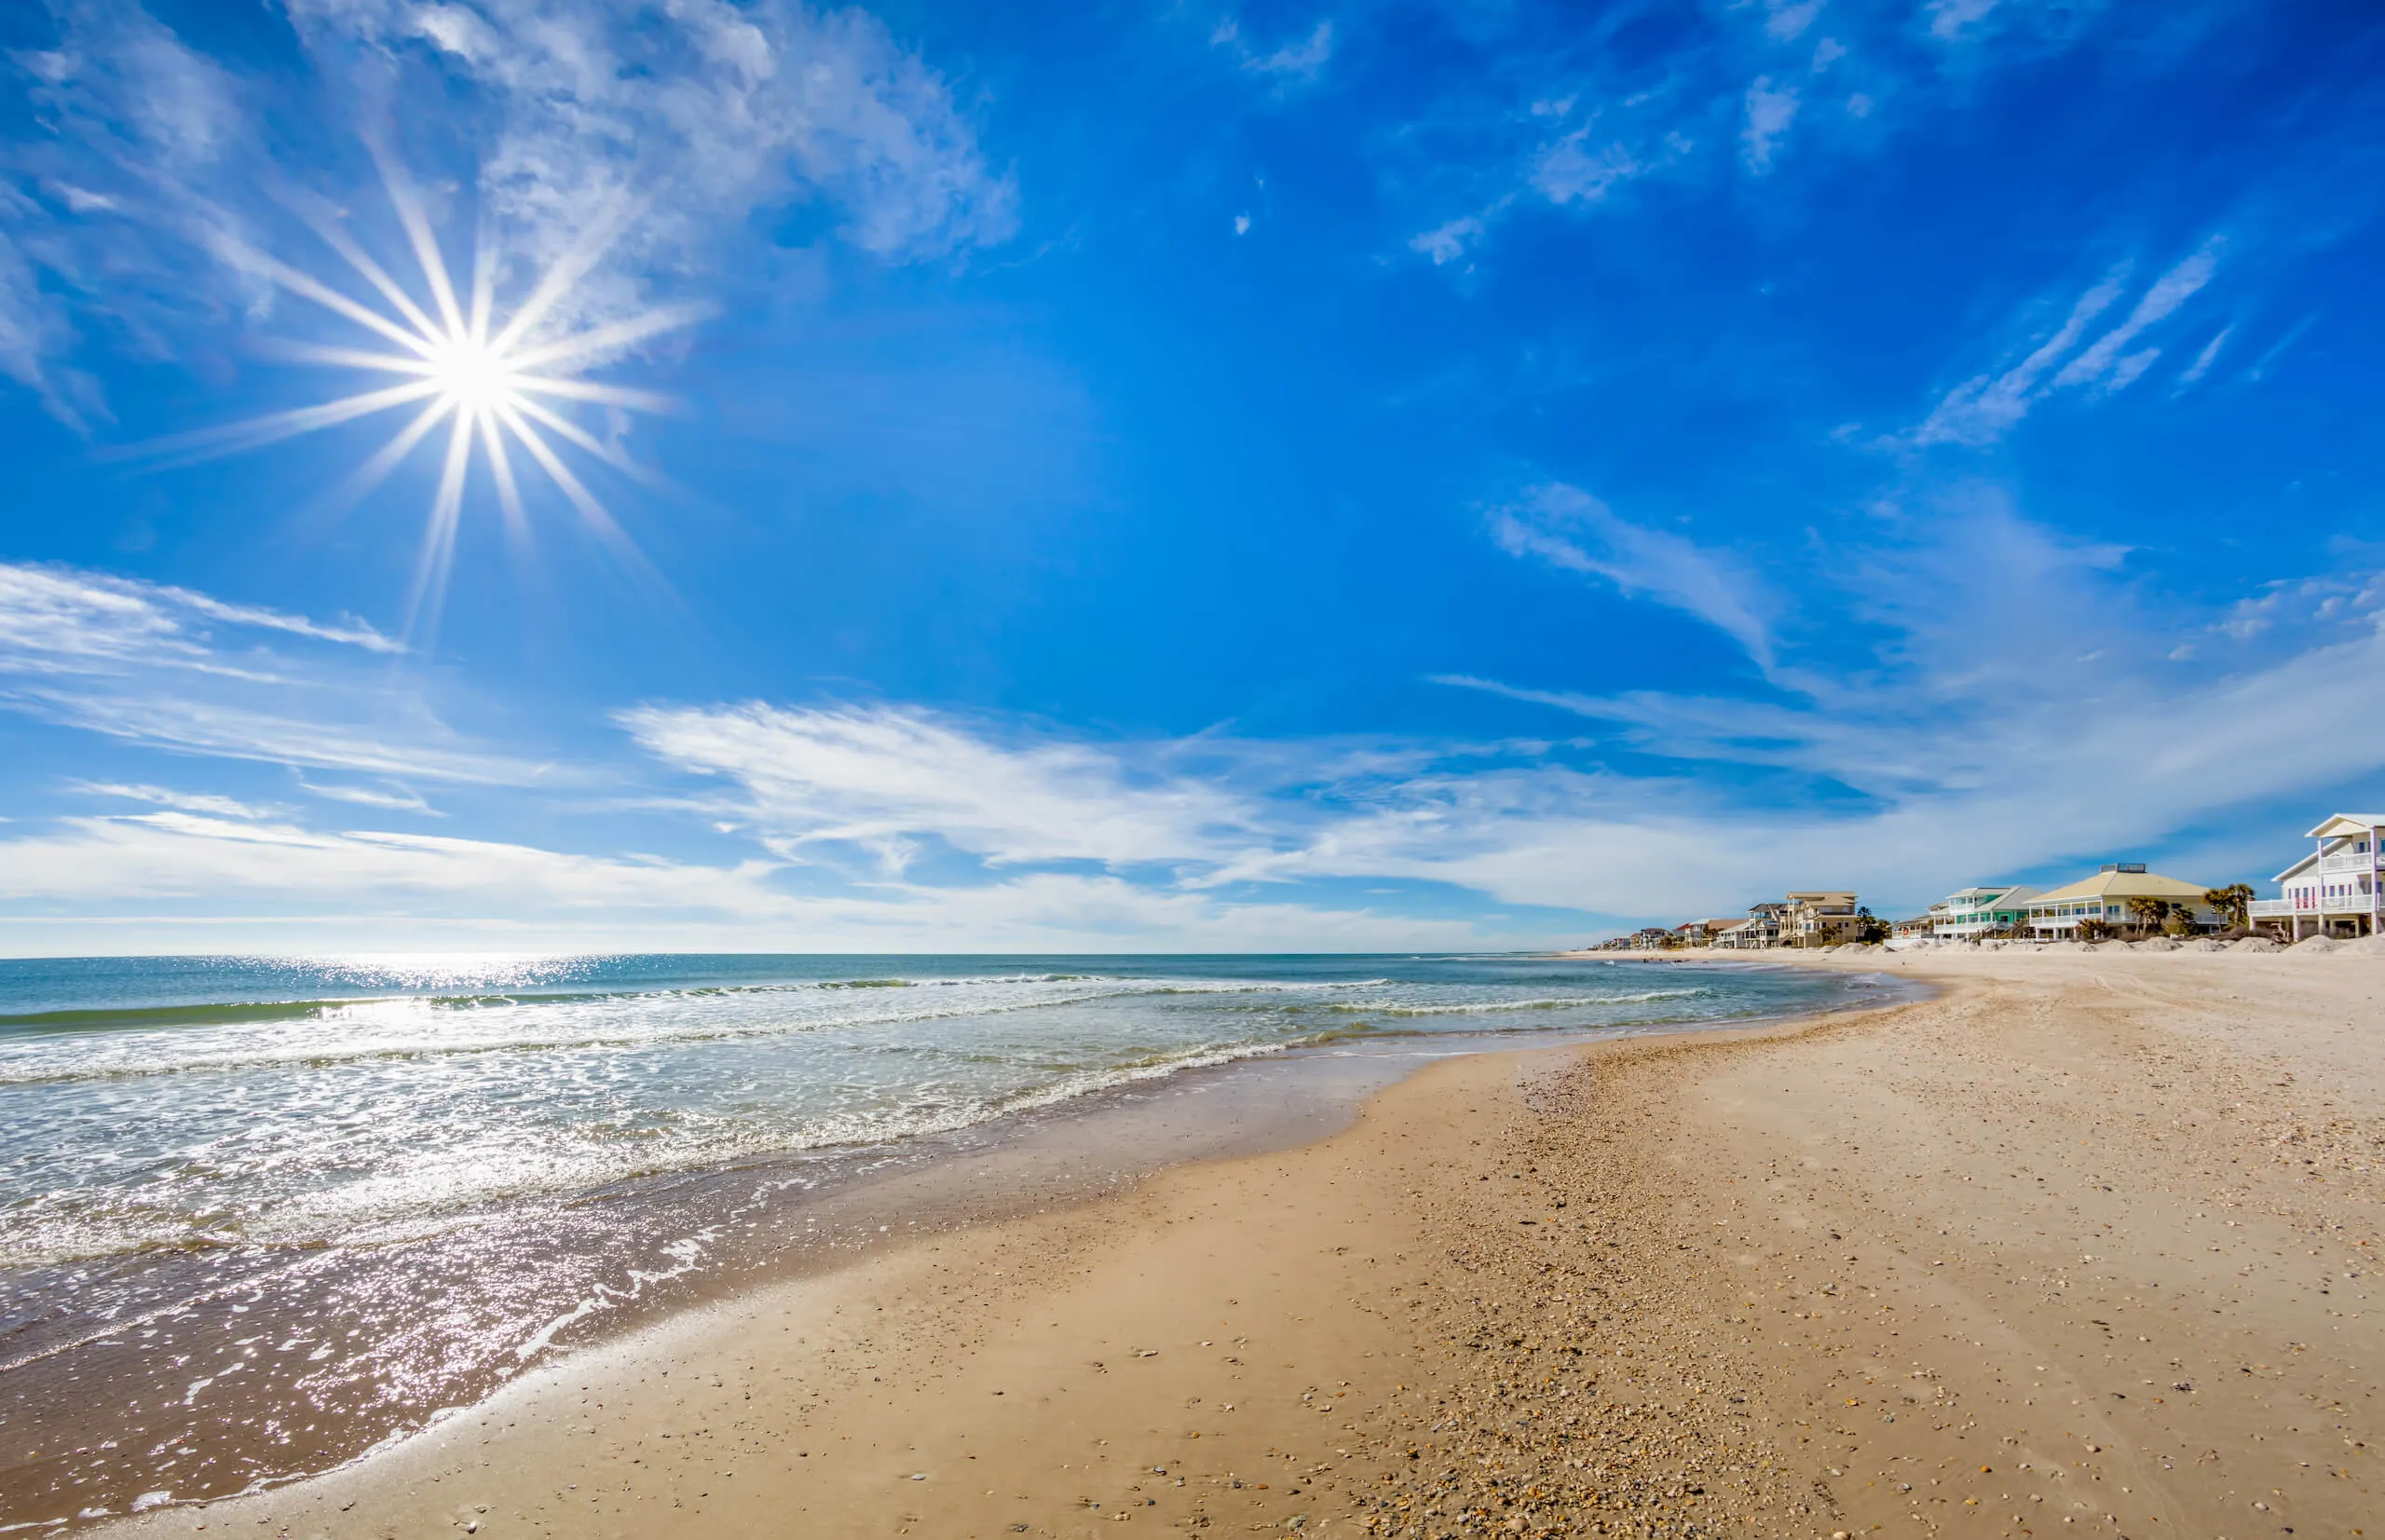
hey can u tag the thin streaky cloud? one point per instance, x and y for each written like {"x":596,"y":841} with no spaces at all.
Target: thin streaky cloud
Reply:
{"x":1568,"y":529}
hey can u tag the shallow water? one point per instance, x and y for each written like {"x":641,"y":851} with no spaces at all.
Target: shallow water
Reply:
{"x":255,"y":1213}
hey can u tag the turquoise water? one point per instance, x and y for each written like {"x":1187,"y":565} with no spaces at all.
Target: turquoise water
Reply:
{"x":197,"y":1102}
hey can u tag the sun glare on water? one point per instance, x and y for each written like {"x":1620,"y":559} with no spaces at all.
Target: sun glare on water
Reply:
{"x":495,"y":385}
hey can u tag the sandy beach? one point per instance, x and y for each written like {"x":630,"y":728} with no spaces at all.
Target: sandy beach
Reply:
{"x":2084,"y":1242}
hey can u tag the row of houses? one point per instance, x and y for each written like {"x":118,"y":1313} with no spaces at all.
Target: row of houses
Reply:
{"x":1823,"y":917}
{"x":2337,"y":889}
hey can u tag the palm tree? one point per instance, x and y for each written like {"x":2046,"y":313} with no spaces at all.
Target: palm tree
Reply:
{"x":2147,"y":911}
{"x":2234,"y":903}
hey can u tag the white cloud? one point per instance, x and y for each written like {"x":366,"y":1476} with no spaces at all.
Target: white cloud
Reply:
{"x":57,"y":620}
{"x":1771,"y":110}
{"x":36,"y":334}
{"x":1568,"y":529}
{"x":883,"y":777}
{"x":706,"y":110}
{"x":243,"y":861}
{"x":1301,"y":58}
{"x":166,"y":797}
{"x":1949,"y":17}
{"x":1948,"y":752}
{"x":1984,"y":408}
{"x":1242,"y":224}
{"x":2101,"y":359}
{"x":1571,"y":172}
{"x":175,"y":669}
{"x":391,"y":797}
{"x":1787,"y":20}
{"x":1940,"y":753}
{"x":172,"y":881}
{"x":1449,"y":242}
{"x":2204,"y":359}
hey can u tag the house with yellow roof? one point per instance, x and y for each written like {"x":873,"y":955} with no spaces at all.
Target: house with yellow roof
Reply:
{"x":2055,"y":916}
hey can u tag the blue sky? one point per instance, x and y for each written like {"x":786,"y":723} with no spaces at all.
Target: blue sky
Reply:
{"x":1282,"y":477}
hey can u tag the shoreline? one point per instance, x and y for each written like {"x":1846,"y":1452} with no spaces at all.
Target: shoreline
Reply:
{"x":591,"y":1267}
{"x":1798,"y":1280}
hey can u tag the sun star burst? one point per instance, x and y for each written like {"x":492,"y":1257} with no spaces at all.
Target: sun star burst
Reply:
{"x":494,"y":384}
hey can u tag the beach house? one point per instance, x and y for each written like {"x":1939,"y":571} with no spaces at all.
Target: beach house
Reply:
{"x":1980,"y":911}
{"x":1758,"y":930}
{"x":1818,"y":919}
{"x":2334,"y":890}
{"x":2055,"y":916}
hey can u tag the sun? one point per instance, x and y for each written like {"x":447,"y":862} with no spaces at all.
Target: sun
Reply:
{"x":474,"y":377}
{"x":497,"y":383}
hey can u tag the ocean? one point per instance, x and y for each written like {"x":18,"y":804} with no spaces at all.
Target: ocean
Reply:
{"x":257,"y":1214}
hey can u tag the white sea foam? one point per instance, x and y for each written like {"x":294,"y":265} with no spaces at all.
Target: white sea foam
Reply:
{"x":138,"y":1126}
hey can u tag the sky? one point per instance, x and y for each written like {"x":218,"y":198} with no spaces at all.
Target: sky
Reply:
{"x":730,"y":475}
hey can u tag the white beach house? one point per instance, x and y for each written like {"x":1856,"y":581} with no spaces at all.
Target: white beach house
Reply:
{"x":2335,"y":888}
{"x":1980,"y":911}
{"x":2055,"y":916}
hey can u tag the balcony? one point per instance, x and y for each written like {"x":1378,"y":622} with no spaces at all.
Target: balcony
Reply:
{"x":2358,"y":862}
{"x":2312,"y":904}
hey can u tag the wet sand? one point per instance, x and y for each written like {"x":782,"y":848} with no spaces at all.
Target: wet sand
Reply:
{"x":2084,"y":1244}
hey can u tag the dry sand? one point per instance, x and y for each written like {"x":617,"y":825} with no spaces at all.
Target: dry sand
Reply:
{"x":2086,"y":1244}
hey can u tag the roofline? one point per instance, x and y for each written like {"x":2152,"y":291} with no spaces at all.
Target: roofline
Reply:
{"x":2370,"y":821}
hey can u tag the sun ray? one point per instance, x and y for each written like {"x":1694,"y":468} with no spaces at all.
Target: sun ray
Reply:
{"x":509,"y":494}
{"x":417,"y":226}
{"x":358,"y":484}
{"x":345,"y":358}
{"x":256,"y":432}
{"x":332,"y":300}
{"x":339,"y":241}
{"x":604,"y":395}
{"x":490,"y":373}
{"x":578,"y":260}
{"x":439,"y":539}
{"x":591,"y":512}
{"x":618,"y":337}
{"x":563,"y":428}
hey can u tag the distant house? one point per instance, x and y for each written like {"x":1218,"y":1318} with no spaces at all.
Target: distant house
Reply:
{"x":1758,"y":930}
{"x":1818,"y":919}
{"x":1701,"y":932}
{"x":1918,"y":925}
{"x":1980,"y":911}
{"x":2337,"y":889}
{"x":2055,"y":916}
{"x":1650,"y":937}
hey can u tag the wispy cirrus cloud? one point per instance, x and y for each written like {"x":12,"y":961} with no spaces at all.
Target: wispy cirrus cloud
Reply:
{"x":884,"y":778}
{"x":172,"y":668}
{"x":1586,"y":109}
{"x":1568,"y":529}
{"x":1301,"y":57}
{"x":1985,"y":407}
{"x":704,"y":110}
